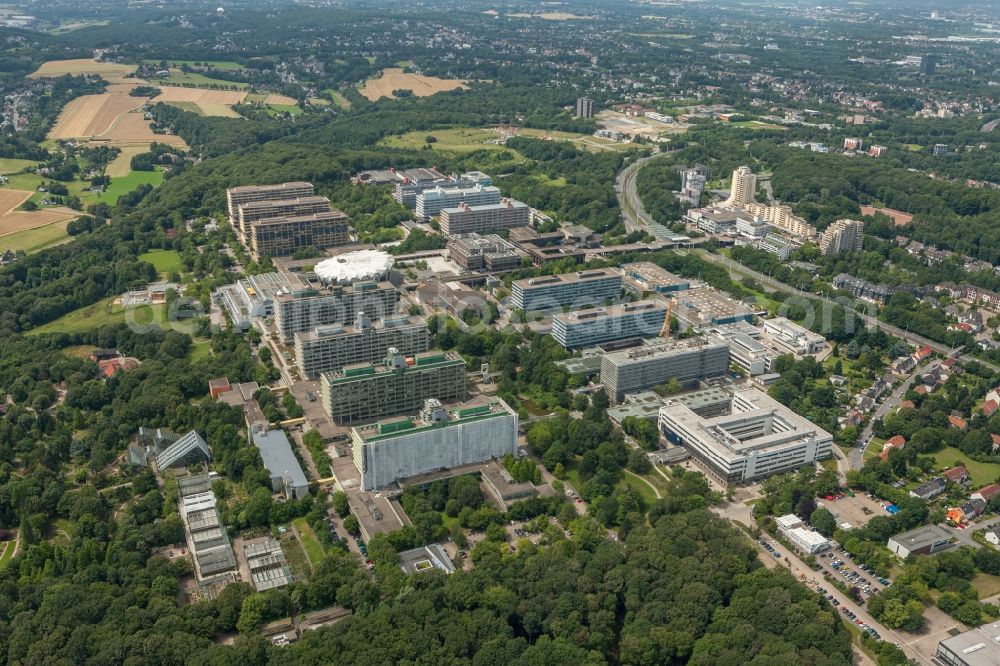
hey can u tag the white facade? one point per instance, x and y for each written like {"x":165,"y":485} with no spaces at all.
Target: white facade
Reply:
{"x":808,"y":541}
{"x":384,"y":454}
{"x":757,"y":438}
{"x":744,"y":187}
{"x":789,"y":335}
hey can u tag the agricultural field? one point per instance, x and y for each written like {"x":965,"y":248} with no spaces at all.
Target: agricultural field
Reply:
{"x":11,"y":199}
{"x":210,"y":102}
{"x":339,"y":99}
{"x":393,"y":78}
{"x":121,"y":166}
{"x":112,"y":72}
{"x":126,"y":184}
{"x":214,"y":64}
{"x":281,"y":100}
{"x":13,"y":165}
{"x":133,"y":128}
{"x":37,"y":238}
{"x":92,"y":115}
{"x":178,"y":77}
{"x":554,"y":16}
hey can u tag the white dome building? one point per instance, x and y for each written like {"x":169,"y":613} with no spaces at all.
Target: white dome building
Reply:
{"x":357,"y":266}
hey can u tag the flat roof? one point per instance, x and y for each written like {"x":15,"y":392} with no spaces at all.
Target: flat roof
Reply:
{"x":325,"y":215}
{"x":647,"y":271}
{"x":666,"y":348}
{"x":709,"y":302}
{"x":977,"y":647}
{"x":343,"y":330}
{"x":477,"y":408}
{"x":566,"y":278}
{"x":277,"y":456}
{"x":504,"y":204}
{"x":921,"y":537}
{"x":426,"y":558}
{"x":610,"y":311}
{"x":584,"y":365}
{"x":283,"y":203}
{"x":427,"y":359}
{"x":295,"y":184}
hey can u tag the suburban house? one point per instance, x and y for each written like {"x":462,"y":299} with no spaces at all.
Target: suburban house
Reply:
{"x":986,"y":493}
{"x":932,"y":488}
{"x":894,"y":442}
{"x":956,"y":474}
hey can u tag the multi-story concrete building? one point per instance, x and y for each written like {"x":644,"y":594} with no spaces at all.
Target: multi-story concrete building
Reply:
{"x":692,"y":185}
{"x":304,"y":310}
{"x":439,"y":438}
{"x":300,"y":302}
{"x":400,"y":384}
{"x":751,"y":227}
{"x":842,"y":236}
{"x":642,"y":368}
{"x":586,"y":328}
{"x":282,"y":236}
{"x":705,"y":306}
{"x":474,"y":252}
{"x":330,"y":348}
{"x":758,"y":437}
{"x":746,"y":351}
{"x":775,"y":245}
{"x":713,"y":220}
{"x":781,"y":217}
{"x":574,"y":290}
{"x":744,"y":187}
{"x":406,"y":191}
{"x":643,"y":277}
{"x":789,"y":336}
{"x":975,"y":647}
{"x":237,"y":196}
{"x":487,"y":218}
{"x":431,"y":202}
{"x":584,"y":107}
{"x":268,"y":209}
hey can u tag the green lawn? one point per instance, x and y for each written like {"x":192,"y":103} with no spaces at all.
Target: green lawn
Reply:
{"x":6,"y":554}
{"x":215,"y":64}
{"x":12,"y":165}
{"x":39,"y":238}
{"x":120,"y":186}
{"x":198,"y":80}
{"x":190,"y":107}
{"x":199,"y":351}
{"x":756,"y":124}
{"x":285,"y":108}
{"x":986,"y":585}
{"x":981,"y":473}
{"x":339,"y":99}
{"x":458,"y":139}
{"x":311,"y":544}
{"x":913,"y":147}
{"x":100,"y":314}
{"x":164,"y":261}
{"x":640,"y":486}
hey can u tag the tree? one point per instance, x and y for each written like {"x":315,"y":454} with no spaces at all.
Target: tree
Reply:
{"x":823,"y":521}
{"x":251,"y":613}
{"x":340,"y":504}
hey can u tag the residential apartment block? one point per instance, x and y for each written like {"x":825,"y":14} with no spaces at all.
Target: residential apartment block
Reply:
{"x":487,"y":218}
{"x":400,"y":384}
{"x":575,"y":290}
{"x":438,"y":438}
{"x":330,"y":348}
{"x":586,"y":328}
{"x":842,"y":236}
{"x":642,"y":368}
{"x":869,"y":291}
{"x":743,"y":189}
{"x":758,"y":437}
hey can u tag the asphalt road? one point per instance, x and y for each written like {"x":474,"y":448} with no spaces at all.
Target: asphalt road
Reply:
{"x":856,"y":455}
{"x":628,"y":198}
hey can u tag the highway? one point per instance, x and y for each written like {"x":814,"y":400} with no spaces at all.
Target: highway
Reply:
{"x":633,"y":211}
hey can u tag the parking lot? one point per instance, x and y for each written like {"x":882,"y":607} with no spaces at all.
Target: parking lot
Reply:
{"x":857,"y":510}
{"x":839,"y":566}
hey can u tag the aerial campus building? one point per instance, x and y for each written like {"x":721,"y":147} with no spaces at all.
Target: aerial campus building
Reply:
{"x":276,"y":220}
{"x":842,"y":236}
{"x":431,"y":202}
{"x":475,"y":252}
{"x":276,"y":454}
{"x":757,"y":437}
{"x":167,"y":449}
{"x":586,"y":328}
{"x":439,"y":438}
{"x":400,"y":384}
{"x":300,"y":302}
{"x":574,"y":290}
{"x":267,"y":565}
{"x":975,"y":647}
{"x":416,"y":181}
{"x":643,"y":277}
{"x":487,"y":218}
{"x":705,"y":306}
{"x":642,"y":368}
{"x":329,"y":348}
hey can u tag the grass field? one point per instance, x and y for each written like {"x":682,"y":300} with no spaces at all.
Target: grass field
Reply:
{"x":913,"y":147}
{"x":121,"y":166}
{"x":339,"y":99}
{"x":986,"y":585}
{"x":756,"y":124}
{"x":200,"y":350}
{"x":981,"y":473}
{"x":6,"y":553}
{"x":12,"y":165}
{"x":187,"y":106}
{"x":120,"y":186}
{"x":179,"y":78}
{"x":640,"y":486}
{"x":100,"y":314}
{"x":293,"y":109}
{"x":164,"y":261}
{"x":458,"y":139}
{"x":39,"y":238}
{"x":310,"y":543}
{"x":215,"y":64}
{"x":393,"y":78}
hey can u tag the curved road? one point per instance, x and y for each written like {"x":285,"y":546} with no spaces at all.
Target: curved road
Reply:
{"x":628,"y":198}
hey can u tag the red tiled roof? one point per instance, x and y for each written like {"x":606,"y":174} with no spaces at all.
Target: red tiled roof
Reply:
{"x":955,"y":473}
{"x":957,"y":422}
